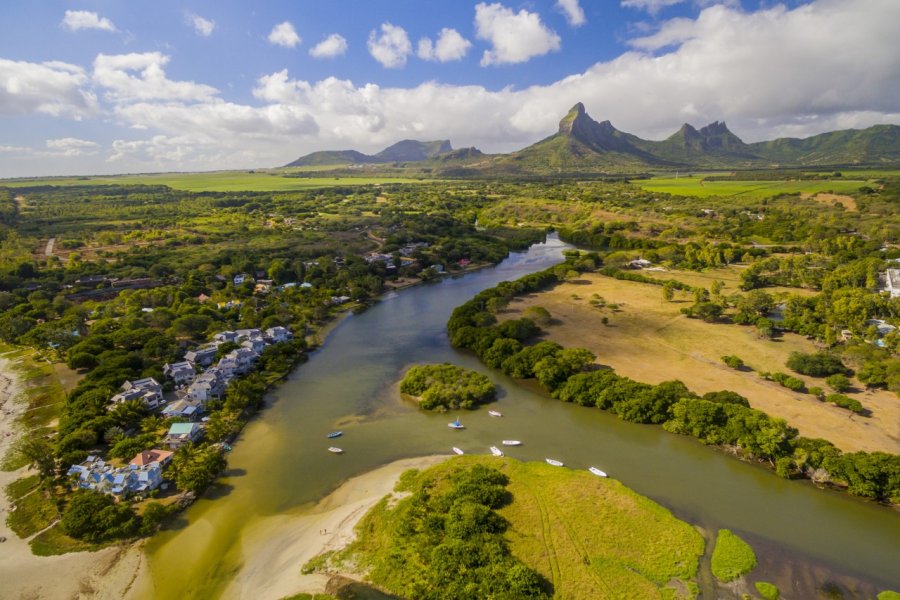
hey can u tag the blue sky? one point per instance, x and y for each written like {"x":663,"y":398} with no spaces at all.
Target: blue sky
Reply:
{"x":127,"y":86}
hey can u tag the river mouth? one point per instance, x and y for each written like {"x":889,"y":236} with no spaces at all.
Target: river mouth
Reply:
{"x":281,"y":463}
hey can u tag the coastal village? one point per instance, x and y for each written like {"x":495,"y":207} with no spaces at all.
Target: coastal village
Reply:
{"x":198,"y":380}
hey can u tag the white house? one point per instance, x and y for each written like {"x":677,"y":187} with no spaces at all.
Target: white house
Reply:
{"x":279,"y":334}
{"x":226,"y":336}
{"x":147,"y":389}
{"x":201,"y":356}
{"x":207,"y":386}
{"x":892,"y":282}
{"x":180,"y":373}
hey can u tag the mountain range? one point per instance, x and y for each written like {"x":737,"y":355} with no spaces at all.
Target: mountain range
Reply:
{"x":583,"y":145}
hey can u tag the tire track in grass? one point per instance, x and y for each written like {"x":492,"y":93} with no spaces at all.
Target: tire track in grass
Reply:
{"x":547,"y":536}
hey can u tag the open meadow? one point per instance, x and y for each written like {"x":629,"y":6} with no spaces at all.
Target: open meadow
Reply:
{"x":216,"y":181}
{"x":697,"y":186}
{"x":649,"y":340}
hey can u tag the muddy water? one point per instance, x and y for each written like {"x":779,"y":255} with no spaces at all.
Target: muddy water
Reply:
{"x":281,"y":463}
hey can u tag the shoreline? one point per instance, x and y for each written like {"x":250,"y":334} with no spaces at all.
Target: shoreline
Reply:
{"x":275,"y":548}
{"x":104,"y":574}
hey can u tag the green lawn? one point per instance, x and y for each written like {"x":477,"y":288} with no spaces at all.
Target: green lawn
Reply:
{"x":695,"y":186}
{"x":219,"y":181}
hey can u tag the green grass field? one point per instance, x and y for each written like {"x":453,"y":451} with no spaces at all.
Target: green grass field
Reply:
{"x":695,"y":186}
{"x":589,"y":537}
{"x":219,"y":181}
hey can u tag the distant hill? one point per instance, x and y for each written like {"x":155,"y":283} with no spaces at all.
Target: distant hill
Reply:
{"x":403,"y":151}
{"x":412,"y":150}
{"x":583,"y":145}
{"x":870,"y":146}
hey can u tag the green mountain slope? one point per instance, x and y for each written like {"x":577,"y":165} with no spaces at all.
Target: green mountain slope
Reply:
{"x":402,"y":151}
{"x":413,"y":150}
{"x":873,"y":145}
{"x":583,"y":145}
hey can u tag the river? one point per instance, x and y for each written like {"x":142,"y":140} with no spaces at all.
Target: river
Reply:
{"x":281,"y":464}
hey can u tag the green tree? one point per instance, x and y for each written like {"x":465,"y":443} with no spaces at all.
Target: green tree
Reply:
{"x":95,"y":517}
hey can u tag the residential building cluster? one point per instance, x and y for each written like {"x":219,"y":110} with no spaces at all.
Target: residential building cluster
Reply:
{"x":199,"y":378}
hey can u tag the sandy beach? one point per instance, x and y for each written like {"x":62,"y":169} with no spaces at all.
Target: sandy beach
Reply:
{"x":277,"y":547}
{"x":106,"y":574}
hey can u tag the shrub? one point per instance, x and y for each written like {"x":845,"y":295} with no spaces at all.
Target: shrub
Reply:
{"x":818,"y":364}
{"x":732,"y":556}
{"x":845,"y":402}
{"x":735,"y":362}
{"x":791,"y":383}
{"x":767,"y":590}
{"x":838,"y":382}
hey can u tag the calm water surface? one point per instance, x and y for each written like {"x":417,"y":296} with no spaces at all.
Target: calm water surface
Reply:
{"x":281,"y":463}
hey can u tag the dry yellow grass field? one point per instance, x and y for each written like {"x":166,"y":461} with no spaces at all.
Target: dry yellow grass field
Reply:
{"x":648,"y":340}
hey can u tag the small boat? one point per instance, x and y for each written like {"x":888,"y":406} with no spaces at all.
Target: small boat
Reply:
{"x":226,"y":448}
{"x":512,"y":443}
{"x":335,"y":450}
{"x":597,"y":472}
{"x":495,"y":413}
{"x":554,"y":462}
{"x":335,"y":434}
{"x":456,"y":424}
{"x":457,"y":450}
{"x":496,"y":451}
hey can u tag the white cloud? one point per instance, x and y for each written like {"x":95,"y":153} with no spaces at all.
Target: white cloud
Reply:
{"x":515,"y":37}
{"x":391,"y":47}
{"x":651,"y":6}
{"x":333,"y":45}
{"x":73,"y":146}
{"x":82,"y":19}
{"x":450,"y":46}
{"x":203,"y":27}
{"x":52,"y":88}
{"x":573,"y":12}
{"x":116,"y":73}
{"x":284,"y":35}
{"x":769,"y":73}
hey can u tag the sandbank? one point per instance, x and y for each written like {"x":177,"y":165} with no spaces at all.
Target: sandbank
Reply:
{"x":277,"y":547}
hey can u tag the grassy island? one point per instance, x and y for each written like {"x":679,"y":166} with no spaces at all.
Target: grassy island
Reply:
{"x":732,"y":556}
{"x":477,"y":527}
{"x":447,"y":386}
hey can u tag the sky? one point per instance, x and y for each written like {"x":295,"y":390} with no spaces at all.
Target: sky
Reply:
{"x":130,"y":86}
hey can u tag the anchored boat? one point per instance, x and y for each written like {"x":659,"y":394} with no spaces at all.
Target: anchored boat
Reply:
{"x":554,"y":462}
{"x":495,"y":413}
{"x":335,"y":450}
{"x":335,"y":434}
{"x":597,"y":472}
{"x":496,"y":451}
{"x":457,"y":450}
{"x":512,"y":443}
{"x":456,"y":424}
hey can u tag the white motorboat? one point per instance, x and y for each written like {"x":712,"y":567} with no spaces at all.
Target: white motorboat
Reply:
{"x":512,"y":443}
{"x":554,"y":462}
{"x":496,"y":451}
{"x":597,"y":472}
{"x":495,"y":413}
{"x":335,"y":450}
{"x":457,"y":450}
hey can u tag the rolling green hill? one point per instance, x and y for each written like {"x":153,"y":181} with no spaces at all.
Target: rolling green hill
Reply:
{"x":402,"y":151}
